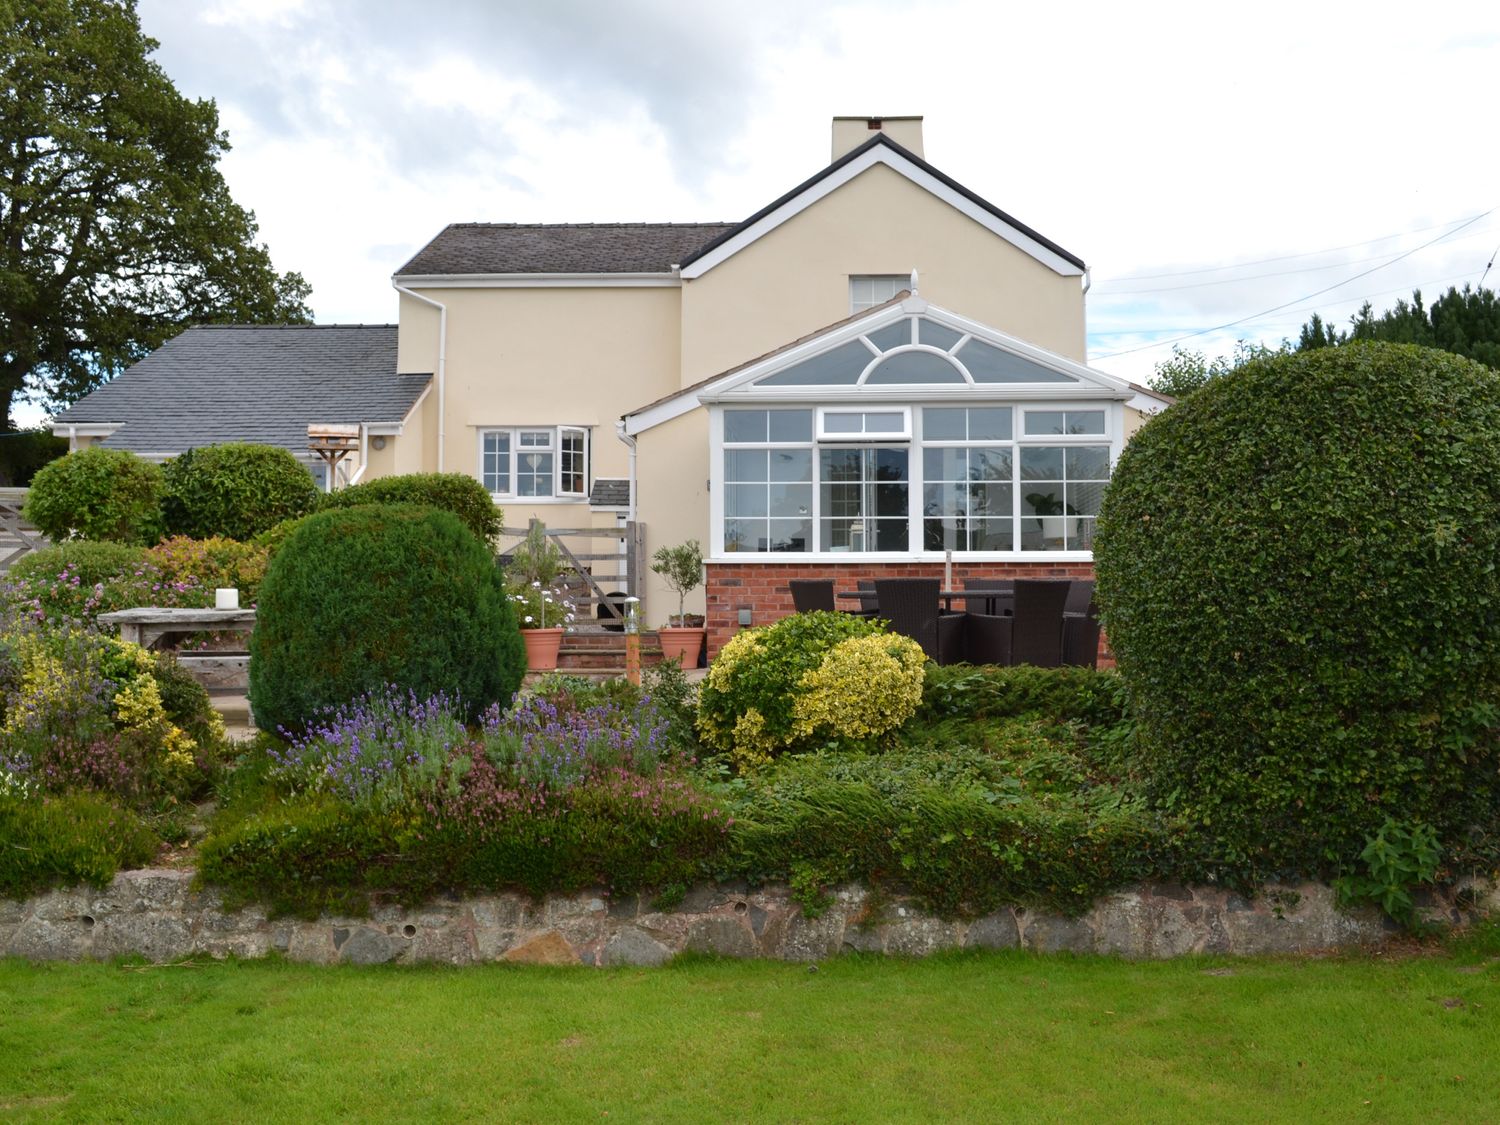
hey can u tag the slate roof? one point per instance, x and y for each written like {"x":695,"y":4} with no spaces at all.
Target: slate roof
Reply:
{"x":484,"y":248}
{"x":258,"y":383}
{"x":610,"y":492}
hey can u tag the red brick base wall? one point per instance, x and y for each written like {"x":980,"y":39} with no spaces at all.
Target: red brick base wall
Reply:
{"x":763,"y":589}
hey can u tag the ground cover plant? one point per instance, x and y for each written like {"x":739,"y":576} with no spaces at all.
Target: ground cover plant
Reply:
{"x":1304,"y":604}
{"x":950,"y":1038}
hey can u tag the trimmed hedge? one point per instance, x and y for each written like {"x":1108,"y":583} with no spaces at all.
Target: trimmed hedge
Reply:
{"x":1297,"y":566}
{"x":97,"y":494}
{"x":375,"y":595}
{"x":235,"y":490}
{"x":462,"y":495}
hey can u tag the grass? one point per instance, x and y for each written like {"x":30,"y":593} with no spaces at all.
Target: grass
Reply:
{"x":954,"y":1038}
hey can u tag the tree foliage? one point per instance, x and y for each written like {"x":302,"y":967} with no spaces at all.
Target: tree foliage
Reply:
{"x":1465,"y":322}
{"x":116,"y":227}
{"x":1188,"y":371}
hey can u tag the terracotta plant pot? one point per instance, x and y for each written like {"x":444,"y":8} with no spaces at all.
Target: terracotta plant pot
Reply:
{"x":542,"y":646}
{"x":681,"y":644}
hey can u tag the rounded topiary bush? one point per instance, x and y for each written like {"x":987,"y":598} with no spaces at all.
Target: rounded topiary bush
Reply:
{"x":97,"y":494}
{"x":235,"y":490}
{"x":364,"y":597}
{"x":809,"y":678}
{"x":1297,"y":569}
{"x":462,"y":495}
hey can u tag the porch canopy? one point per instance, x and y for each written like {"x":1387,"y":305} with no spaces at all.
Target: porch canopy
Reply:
{"x":907,"y":432}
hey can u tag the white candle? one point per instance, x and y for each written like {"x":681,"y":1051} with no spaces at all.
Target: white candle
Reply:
{"x":226,"y":599}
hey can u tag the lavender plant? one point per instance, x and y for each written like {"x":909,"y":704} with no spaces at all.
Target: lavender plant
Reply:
{"x":543,"y":743}
{"x":384,"y":750}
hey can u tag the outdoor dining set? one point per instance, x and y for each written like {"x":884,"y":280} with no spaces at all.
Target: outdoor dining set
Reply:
{"x":1038,"y":621}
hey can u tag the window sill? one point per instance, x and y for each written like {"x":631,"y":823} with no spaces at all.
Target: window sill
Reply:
{"x":837,"y":558}
{"x":537,"y":501}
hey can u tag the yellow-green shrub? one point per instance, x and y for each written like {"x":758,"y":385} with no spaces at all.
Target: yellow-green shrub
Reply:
{"x":809,"y":678}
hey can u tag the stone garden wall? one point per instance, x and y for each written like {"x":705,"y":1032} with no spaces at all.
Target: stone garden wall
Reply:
{"x":156,"y":914}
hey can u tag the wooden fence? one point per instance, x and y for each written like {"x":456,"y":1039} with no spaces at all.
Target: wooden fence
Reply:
{"x":17,"y":537}
{"x":599,"y":573}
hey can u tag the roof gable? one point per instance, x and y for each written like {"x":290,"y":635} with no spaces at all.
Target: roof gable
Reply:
{"x":903,"y":349}
{"x":880,"y":149}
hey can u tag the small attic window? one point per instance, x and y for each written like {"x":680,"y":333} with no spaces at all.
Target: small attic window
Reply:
{"x":871,"y":289}
{"x":874,"y":123}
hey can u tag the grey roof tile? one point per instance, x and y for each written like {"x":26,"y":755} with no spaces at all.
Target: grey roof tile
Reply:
{"x":258,"y":383}
{"x":484,"y":248}
{"x":610,"y":492}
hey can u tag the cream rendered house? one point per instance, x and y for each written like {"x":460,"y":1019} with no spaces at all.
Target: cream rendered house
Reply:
{"x":876,"y":369}
{"x":879,"y":372}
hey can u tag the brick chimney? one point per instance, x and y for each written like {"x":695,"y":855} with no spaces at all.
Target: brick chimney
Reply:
{"x":851,"y":132}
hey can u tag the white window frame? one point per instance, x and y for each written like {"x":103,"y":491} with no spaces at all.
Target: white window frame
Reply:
{"x":555,"y":435}
{"x":1112,"y":437}
{"x":874,"y":286}
{"x":822,"y":434}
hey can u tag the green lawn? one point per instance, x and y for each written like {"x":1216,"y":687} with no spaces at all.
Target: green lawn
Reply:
{"x":960,"y":1038}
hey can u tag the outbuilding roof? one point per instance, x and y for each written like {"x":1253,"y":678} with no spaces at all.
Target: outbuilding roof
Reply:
{"x":257,"y":383}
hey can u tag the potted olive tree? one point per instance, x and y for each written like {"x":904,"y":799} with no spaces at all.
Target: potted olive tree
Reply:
{"x":682,"y":568}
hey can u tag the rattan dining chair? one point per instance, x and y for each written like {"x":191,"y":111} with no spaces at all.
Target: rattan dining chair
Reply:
{"x":911,"y":606}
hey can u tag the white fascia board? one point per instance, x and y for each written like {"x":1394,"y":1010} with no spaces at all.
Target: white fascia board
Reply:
{"x":880,"y":154}
{"x":538,"y":281}
{"x":384,"y":429}
{"x":85,"y":429}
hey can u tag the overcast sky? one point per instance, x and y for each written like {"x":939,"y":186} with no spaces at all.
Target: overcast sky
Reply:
{"x":1209,"y":161}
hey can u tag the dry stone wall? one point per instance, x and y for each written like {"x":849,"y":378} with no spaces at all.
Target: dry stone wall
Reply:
{"x":157,"y":914}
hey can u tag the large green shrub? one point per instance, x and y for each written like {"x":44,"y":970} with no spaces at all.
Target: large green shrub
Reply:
{"x":462,"y":495}
{"x":810,"y":677}
{"x":375,"y":595}
{"x":1298,"y":571}
{"x":97,"y":494}
{"x":235,"y":490}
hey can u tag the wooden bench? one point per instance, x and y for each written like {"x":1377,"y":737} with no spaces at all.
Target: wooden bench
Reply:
{"x":162,"y":630}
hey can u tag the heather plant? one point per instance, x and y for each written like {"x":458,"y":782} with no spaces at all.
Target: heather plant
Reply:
{"x":385,"y":750}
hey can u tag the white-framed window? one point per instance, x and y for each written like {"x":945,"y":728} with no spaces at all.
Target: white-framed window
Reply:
{"x":534,"y":462}
{"x":982,"y":477}
{"x":871,"y":289}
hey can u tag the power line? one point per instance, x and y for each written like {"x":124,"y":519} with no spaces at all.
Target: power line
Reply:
{"x":1286,"y":257}
{"x":1306,"y":297}
{"x":1403,"y":289}
{"x":1244,"y":280}
{"x":1488,"y":266}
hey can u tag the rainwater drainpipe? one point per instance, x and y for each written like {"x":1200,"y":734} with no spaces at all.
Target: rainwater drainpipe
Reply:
{"x":442,"y":366}
{"x":629,"y":444}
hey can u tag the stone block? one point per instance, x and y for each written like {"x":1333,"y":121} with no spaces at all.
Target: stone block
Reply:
{"x":156,"y":937}
{"x":12,"y":911}
{"x":723,"y":935}
{"x":918,"y":935}
{"x":1122,"y":925}
{"x":312,"y":942}
{"x":1053,"y":933}
{"x":445,"y":945}
{"x":811,"y":939}
{"x":369,"y":946}
{"x":64,"y":905}
{"x":993,"y":931}
{"x":549,"y":948}
{"x":624,"y":907}
{"x":42,"y":939}
{"x":154,"y":888}
{"x":632,"y":946}
{"x":243,"y":945}
{"x":498,"y":912}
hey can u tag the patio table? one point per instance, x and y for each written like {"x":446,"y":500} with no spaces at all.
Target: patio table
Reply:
{"x":162,"y":628}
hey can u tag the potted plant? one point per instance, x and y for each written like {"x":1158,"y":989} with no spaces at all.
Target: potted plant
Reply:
{"x":543,"y":611}
{"x":682,"y":567}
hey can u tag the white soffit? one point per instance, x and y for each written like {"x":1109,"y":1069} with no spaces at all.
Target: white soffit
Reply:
{"x":880,"y":154}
